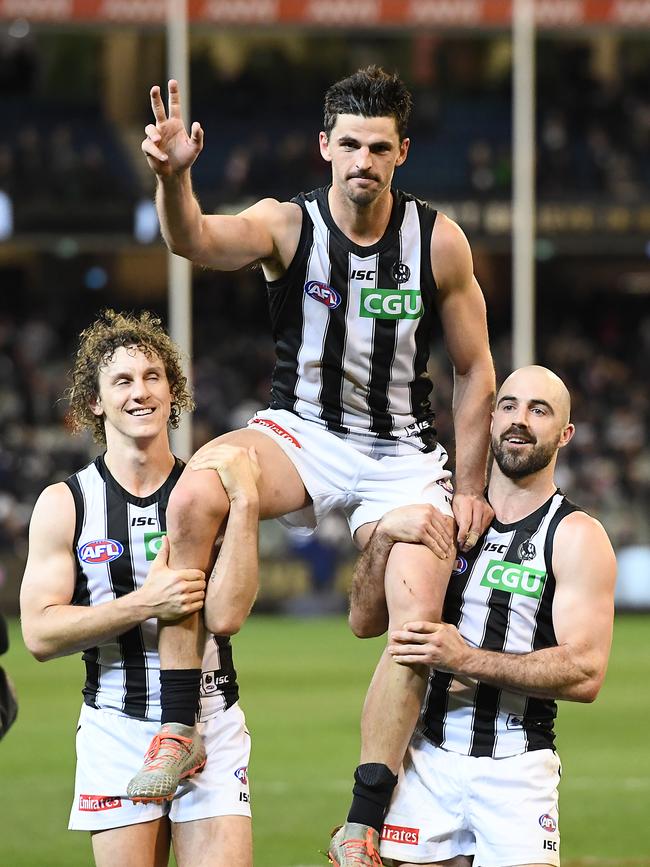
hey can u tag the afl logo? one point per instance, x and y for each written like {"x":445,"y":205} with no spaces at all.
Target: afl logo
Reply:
{"x":323,"y":293}
{"x":460,"y":566}
{"x":242,"y":775}
{"x":548,"y":823}
{"x":100,"y":551}
{"x":401,"y":272}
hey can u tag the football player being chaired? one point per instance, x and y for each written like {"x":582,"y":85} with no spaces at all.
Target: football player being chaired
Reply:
{"x":527,"y":620}
{"x":357,"y":273}
{"x":97,"y":580}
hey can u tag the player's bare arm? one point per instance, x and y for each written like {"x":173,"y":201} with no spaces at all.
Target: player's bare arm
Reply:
{"x":234,"y":581}
{"x":419,"y":524}
{"x":268,"y":231}
{"x":464,"y":322}
{"x":583,"y":609}
{"x":52,"y":625}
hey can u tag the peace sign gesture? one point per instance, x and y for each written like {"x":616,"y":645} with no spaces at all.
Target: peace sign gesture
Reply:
{"x":168,"y":148}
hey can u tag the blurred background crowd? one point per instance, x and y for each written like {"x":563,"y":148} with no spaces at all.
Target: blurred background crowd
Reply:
{"x":77,"y":234}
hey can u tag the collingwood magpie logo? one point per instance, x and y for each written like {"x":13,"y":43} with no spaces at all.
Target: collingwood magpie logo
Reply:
{"x":526,"y":551}
{"x":401,"y":272}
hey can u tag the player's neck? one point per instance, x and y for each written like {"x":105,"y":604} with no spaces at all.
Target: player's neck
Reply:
{"x":139,"y":467}
{"x":362,"y":224}
{"x":514,"y":499}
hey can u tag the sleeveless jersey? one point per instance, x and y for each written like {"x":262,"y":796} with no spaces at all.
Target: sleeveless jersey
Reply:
{"x":352,"y":324}
{"x":500,"y":597}
{"x":117,"y":536}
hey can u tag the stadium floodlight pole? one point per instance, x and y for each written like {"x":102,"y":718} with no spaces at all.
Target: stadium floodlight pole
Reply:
{"x":179,"y":270}
{"x":523,"y":190}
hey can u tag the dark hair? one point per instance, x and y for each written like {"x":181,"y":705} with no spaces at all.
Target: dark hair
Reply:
{"x":97,"y":345}
{"x":369,"y":92}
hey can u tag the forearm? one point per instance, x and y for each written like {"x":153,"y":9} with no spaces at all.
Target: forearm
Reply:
{"x":368,"y":609}
{"x":179,"y":214}
{"x":234,"y":582}
{"x":552,"y":672}
{"x":473,"y":403}
{"x":60,"y":630}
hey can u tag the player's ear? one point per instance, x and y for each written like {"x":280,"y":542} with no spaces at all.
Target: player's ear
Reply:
{"x":567,"y":435}
{"x":324,"y":144}
{"x":96,"y":405}
{"x":403,"y":151}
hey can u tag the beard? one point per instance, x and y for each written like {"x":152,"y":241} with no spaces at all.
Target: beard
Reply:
{"x":361,"y":195}
{"x":517,"y":464}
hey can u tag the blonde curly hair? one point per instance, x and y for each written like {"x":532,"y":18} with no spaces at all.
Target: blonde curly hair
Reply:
{"x":97,"y":345}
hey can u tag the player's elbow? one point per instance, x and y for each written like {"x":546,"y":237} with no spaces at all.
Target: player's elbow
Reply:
{"x":223,"y":623}
{"x":586,"y":691}
{"x":366,"y":627}
{"x":39,"y":648}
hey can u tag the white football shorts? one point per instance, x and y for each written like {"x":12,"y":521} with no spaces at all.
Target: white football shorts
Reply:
{"x":110,"y":749}
{"x":501,"y":811}
{"x":365,"y":477}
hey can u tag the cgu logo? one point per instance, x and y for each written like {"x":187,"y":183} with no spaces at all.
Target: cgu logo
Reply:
{"x":514,"y":578}
{"x":100,"y":551}
{"x":323,"y":293}
{"x":391,"y":304}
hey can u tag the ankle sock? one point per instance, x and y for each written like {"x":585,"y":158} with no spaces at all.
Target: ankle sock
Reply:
{"x":373,"y":787}
{"x":179,"y":695}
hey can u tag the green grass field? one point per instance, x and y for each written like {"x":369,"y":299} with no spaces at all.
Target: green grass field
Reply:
{"x":303,"y":683}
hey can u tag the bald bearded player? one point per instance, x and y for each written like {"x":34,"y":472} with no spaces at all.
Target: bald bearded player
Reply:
{"x":527,"y":620}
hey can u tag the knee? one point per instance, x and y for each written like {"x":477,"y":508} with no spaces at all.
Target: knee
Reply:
{"x":197,"y":496}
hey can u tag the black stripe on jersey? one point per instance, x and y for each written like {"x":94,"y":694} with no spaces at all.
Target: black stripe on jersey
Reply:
{"x":330,"y":397}
{"x":384,"y":346}
{"x":540,"y":713}
{"x":421,"y":384}
{"x":486,"y":701}
{"x":230,"y":687}
{"x":131,"y":643}
{"x":286,"y":312}
{"x":435,"y":711}
{"x":81,"y":594}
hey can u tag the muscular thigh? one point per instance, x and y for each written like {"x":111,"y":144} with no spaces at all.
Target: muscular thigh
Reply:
{"x":281,"y":488}
{"x":222,"y":841}
{"x":142,"y":845}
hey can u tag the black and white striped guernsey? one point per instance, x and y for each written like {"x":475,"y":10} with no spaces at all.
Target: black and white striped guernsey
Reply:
{"x":116,"y":539}
{"x":352,"y":324}
{"x":500,"y":597}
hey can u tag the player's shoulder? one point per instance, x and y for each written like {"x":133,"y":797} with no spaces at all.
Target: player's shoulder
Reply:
{"x":54,"y":512}
{"x":580,"y":534}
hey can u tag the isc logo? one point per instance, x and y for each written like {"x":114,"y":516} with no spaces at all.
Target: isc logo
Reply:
{"x":391,"y":304}
{"x":100,"y":551}
{"x":360,"y":274}
{"x":514,"y":578}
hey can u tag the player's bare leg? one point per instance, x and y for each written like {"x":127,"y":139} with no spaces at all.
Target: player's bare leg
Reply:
{"x":196,"y":516}
{"x":415,"y":584}
{"x":143,"y":845}
{"x":223,"y":841}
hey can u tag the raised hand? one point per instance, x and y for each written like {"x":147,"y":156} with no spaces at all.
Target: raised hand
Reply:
{"x":168,"y":148}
